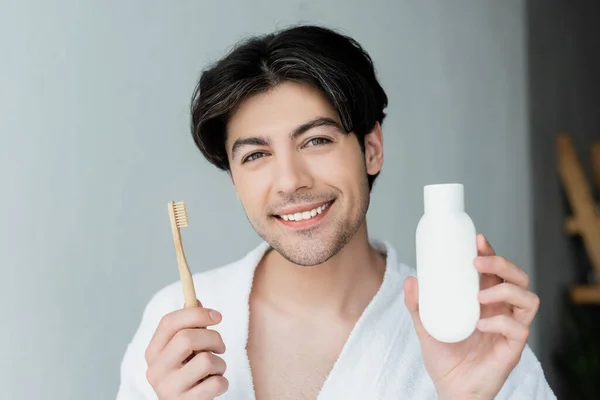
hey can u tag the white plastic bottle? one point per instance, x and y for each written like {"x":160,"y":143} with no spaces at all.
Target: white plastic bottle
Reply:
{"x":446,"y":250}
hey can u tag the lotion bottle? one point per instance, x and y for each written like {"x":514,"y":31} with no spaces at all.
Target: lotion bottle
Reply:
{"x":446,"y":248}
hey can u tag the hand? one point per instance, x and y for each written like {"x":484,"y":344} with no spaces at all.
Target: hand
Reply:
{"x":181,"y":363}
{"x":478,"y":366}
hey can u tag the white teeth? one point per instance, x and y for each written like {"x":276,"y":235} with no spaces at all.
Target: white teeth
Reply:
{"x":299,"y":216}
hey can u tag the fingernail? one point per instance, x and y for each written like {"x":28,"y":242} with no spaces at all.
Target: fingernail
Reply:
{"x":214,"y":315}
{"x":481,"y":323}
{"x":483,"y":294}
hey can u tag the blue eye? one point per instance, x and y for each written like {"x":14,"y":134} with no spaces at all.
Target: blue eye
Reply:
{"x":253,"y":156}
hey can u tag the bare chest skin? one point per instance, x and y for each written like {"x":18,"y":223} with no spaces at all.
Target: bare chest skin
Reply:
{"x":290,"y":357}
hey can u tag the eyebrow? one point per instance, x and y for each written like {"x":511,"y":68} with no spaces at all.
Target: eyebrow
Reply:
{"x":299,"y":131}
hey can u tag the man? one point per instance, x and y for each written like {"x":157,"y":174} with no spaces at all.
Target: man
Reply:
{"x":319,"y":310}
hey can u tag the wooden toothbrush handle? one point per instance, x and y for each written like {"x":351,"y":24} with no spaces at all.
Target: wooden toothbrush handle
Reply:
{"x":187,"y":283}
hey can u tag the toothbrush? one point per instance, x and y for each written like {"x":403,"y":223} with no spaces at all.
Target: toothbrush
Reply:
{"x":179,"y":219}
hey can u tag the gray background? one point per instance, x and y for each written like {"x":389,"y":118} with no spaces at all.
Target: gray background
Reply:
{"x":94,"y":131}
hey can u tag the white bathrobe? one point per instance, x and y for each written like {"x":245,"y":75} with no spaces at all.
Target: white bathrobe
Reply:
{"x":380,"y":360}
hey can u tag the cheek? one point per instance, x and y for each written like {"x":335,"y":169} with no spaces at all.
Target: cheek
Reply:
{"x":252,"y":189}
{"x":343,"y":169}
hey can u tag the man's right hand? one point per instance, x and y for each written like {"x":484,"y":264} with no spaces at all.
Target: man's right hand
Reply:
{"x":180,"y":357}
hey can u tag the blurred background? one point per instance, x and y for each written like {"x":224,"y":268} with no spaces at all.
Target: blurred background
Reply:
{"x":95,"y":140}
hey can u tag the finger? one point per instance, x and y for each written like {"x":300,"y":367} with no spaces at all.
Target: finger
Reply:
{"x":175,"y":321}
{"x":200,"y":367}
{"x":504,"y":269}
{"x":484,"y":248}
{"x":515,"y":332}
{"x":210,"y":388}
{"x":183,"y":345}
{"x":526,"y":303}
{"x":411,"y":300}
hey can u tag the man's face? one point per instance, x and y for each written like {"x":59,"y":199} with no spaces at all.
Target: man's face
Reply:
{"x":301,"y":180}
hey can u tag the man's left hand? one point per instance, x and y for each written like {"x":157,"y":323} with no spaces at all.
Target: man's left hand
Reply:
{"x":477,"y":367}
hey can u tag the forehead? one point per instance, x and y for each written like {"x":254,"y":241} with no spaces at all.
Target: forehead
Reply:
{"x":279,"y":111}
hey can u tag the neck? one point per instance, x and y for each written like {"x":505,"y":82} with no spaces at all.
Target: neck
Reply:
{"x":342,"y":286}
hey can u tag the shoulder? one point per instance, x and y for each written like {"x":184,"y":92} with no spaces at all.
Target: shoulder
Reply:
{"x":218,"y":288}
{"x":527,"y":380}
{"x":395,"y":269}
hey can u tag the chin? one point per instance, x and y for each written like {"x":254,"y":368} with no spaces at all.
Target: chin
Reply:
{"x":305,"y":258}
{"x":309,"y":252}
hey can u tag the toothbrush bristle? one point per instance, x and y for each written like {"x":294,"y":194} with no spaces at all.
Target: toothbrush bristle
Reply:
{"x":181,"y":217}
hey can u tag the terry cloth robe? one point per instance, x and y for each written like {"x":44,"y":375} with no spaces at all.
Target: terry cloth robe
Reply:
{"x":381,"y":359}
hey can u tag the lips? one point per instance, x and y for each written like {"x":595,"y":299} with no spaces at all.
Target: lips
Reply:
{"x":304,"y":216}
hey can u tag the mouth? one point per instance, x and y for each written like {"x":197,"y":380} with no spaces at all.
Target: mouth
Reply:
{"x":302,"y":218}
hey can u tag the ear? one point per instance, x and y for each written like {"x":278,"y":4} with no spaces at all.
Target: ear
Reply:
{"x":374,"y":150}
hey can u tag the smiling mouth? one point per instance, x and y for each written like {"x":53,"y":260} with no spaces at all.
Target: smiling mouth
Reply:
{"x":305,"y":215}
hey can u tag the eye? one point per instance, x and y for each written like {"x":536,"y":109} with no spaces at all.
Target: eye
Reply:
{"x":253,"y":156}
{"x":317,"y":141}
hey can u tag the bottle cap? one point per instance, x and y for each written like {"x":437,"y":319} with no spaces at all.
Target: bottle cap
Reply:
{"x":444,"y":197}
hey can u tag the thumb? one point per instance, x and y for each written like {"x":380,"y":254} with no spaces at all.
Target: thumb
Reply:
{"x":411,"y":300}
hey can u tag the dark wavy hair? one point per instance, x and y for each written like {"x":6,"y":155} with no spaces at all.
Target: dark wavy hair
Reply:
{"x":330,"y":61}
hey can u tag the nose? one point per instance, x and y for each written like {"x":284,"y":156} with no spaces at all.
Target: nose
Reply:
{"x":291,"y":174}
